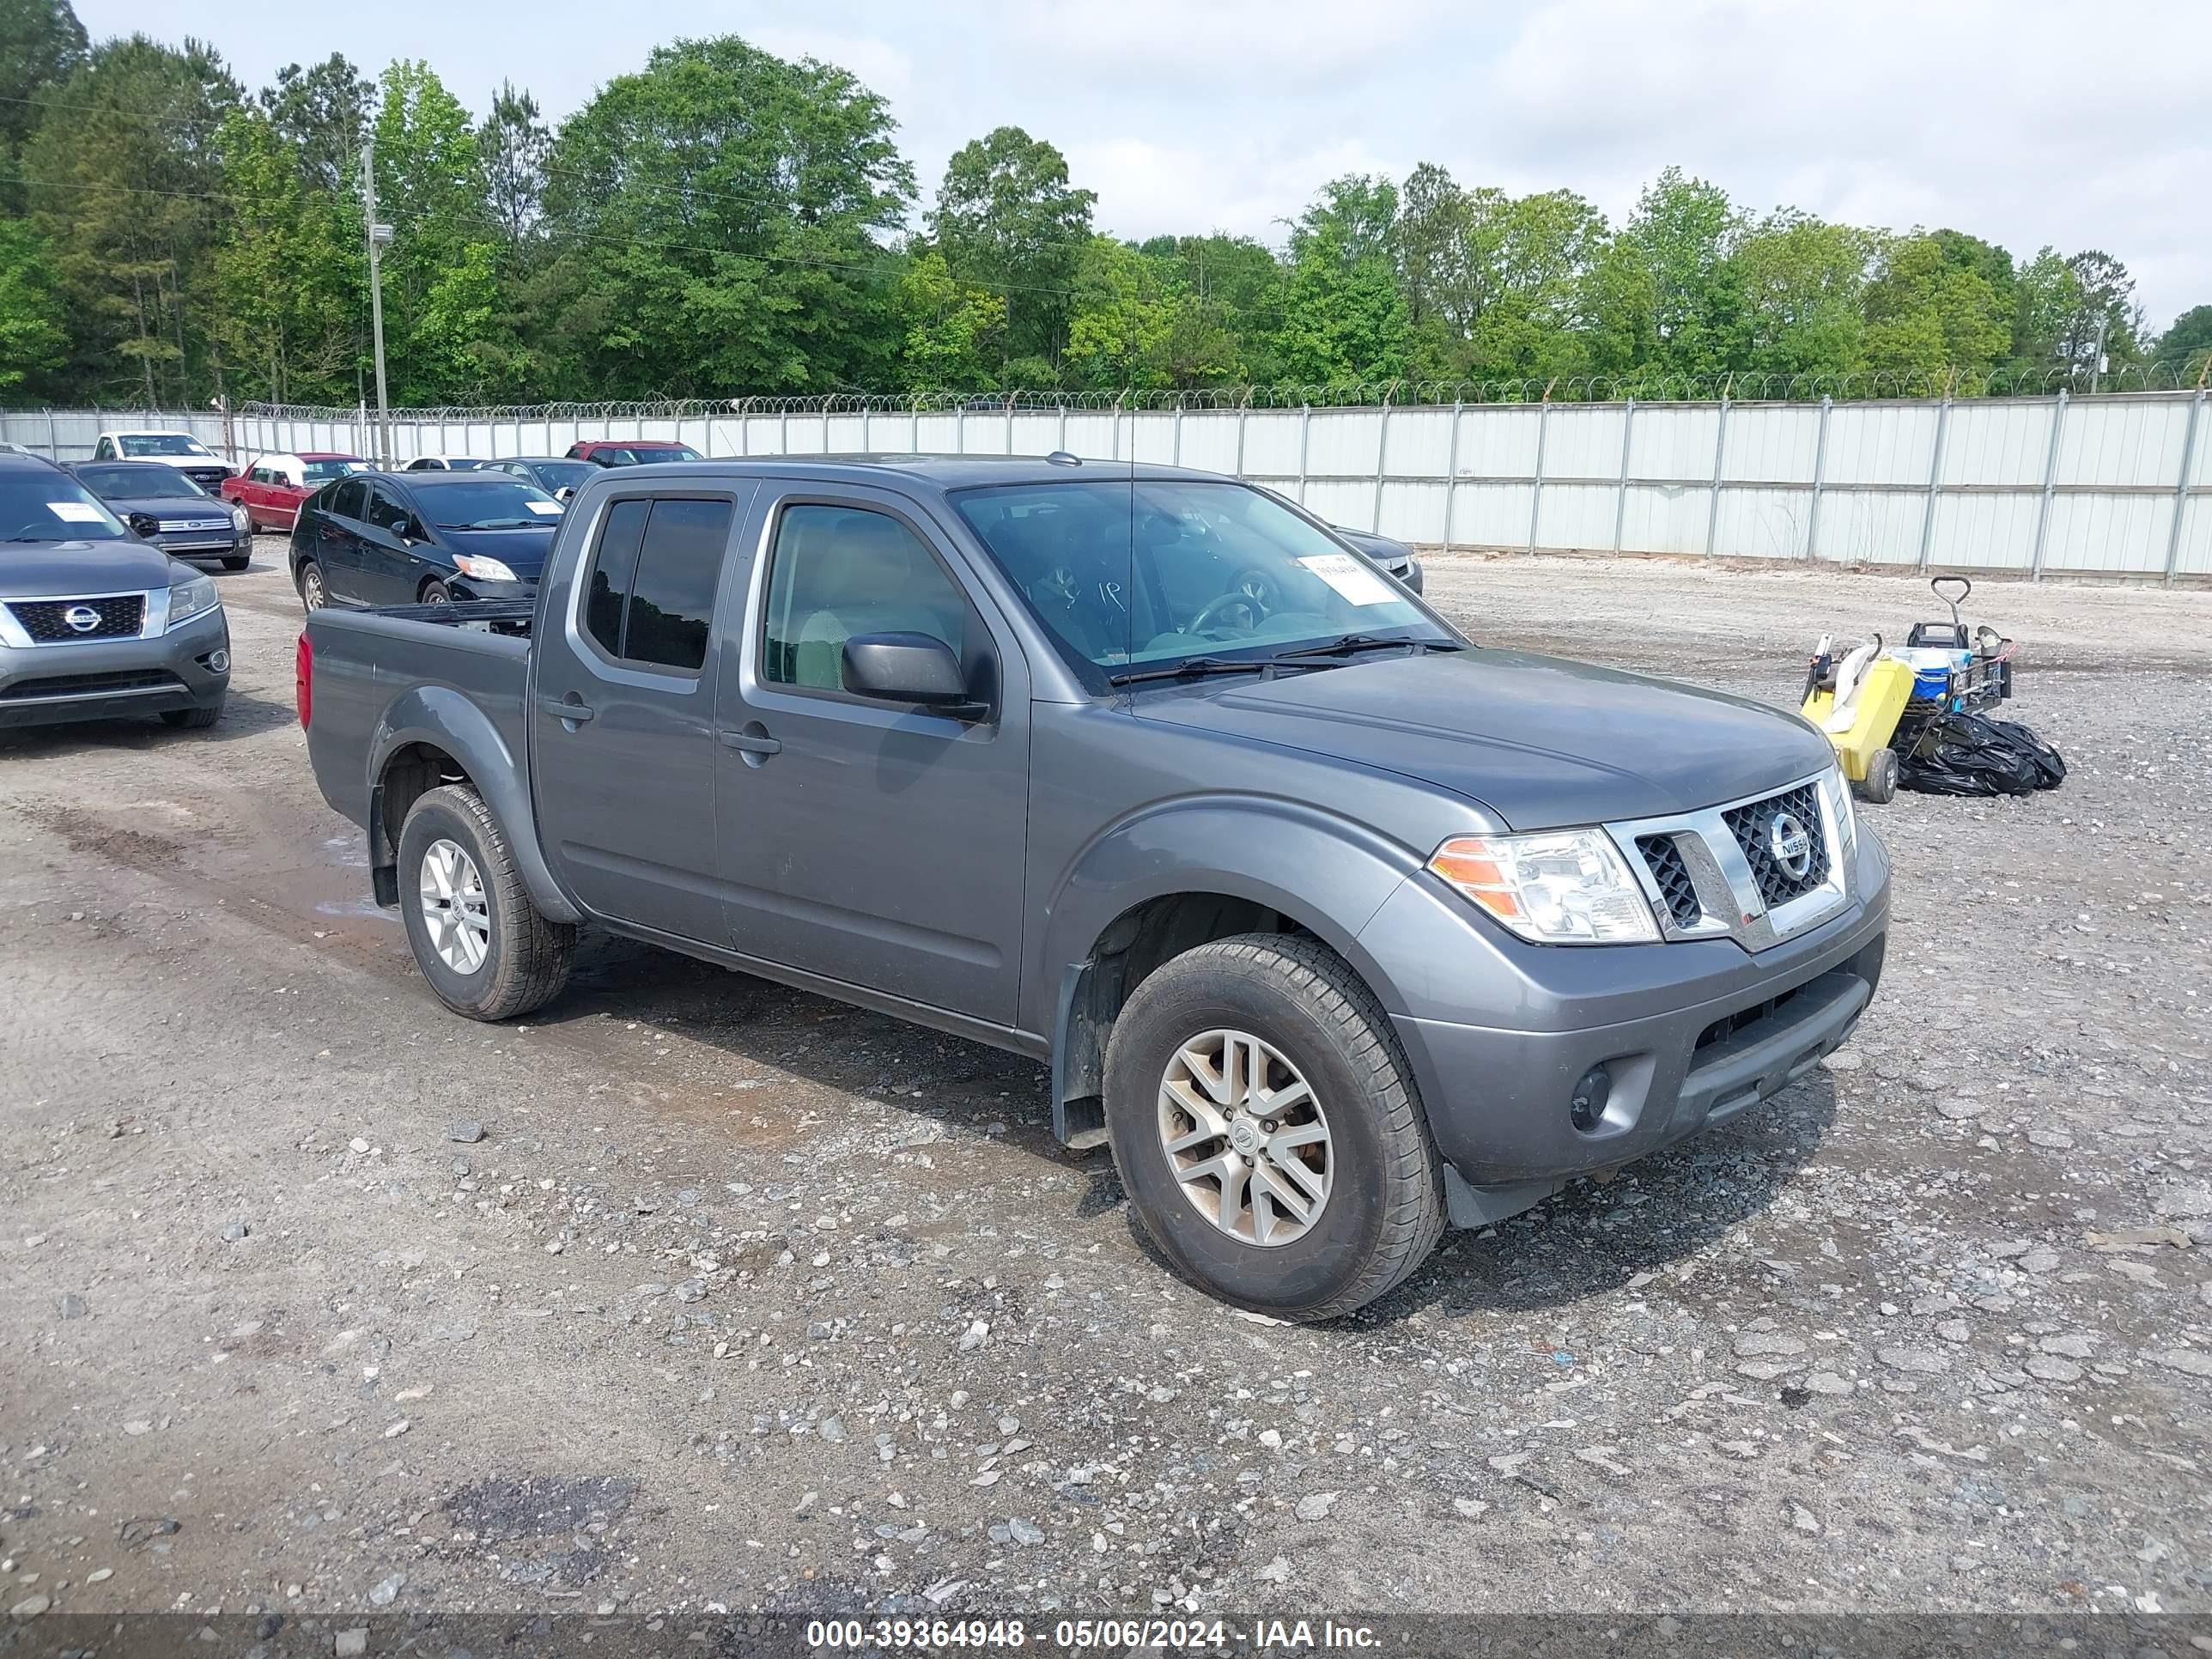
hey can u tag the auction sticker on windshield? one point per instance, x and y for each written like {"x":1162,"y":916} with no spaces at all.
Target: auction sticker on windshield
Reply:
{"x":1350,"y":579}
{"x":76,"y":511}
{"x":549,"y":509}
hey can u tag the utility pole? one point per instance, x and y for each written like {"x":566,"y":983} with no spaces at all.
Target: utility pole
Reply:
{"x":378,"y":236}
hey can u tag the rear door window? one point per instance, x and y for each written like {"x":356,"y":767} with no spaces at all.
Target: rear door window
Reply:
{"x":651,"y":600}
{"x":347,"y":500}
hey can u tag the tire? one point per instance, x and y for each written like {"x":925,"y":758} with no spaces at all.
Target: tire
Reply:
{"x":191,"y":720}
{"x":1382,"y":1207}
{"x":1880,"y":784}
{"x":434,"y":592}
{"x":525,"y":958}
{"x":237,"y":561}
{"x":313,"y":593}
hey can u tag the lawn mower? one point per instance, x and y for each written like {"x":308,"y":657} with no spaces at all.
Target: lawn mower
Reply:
{"x":1884,"y":711}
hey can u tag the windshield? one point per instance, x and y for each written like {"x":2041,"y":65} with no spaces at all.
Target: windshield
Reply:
{"x":1152,"y":572}
{"x":140,"y":482}
{"x":562,"y":475}
{"x":489,"y":503}
{"x":321,"y":472}
{"x":639,"y":454}
{"x":163,"y":443}
{"x":41,"y":505}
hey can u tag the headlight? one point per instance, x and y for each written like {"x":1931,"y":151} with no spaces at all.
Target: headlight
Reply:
{"x":238,"y":517}
{"x":192,"y":599}
{"x":483,"y":570}
{"x":1846,"y":811}
{"x":1562,"y":887}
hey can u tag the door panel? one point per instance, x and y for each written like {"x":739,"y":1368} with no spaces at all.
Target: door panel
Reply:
{"x":874,"y":843}
{"x":626,"y":781}
{"x":337,"y":548}
{"x":391,"y":568}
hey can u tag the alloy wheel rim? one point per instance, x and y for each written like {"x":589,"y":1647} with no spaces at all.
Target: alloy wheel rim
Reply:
{"x":1246,"y":1138}
{"x":311,"y":589}
{"x":455,"y":911}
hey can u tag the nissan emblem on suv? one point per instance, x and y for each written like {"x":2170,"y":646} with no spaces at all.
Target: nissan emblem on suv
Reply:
{"x":1792,"y":846}
{"x":82,"y":618}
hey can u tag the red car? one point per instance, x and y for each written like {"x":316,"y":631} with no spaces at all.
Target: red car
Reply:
{"x":631,"y":452}
{"x":272,"y":488}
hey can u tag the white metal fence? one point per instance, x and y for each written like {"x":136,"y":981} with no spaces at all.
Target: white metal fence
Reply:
{"x":2114,"y":485}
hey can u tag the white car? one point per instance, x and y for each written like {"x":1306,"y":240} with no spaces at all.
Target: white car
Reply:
{"x":444,"y":464}
{"x":179,"y":449}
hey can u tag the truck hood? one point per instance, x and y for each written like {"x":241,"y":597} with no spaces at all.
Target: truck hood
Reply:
{"x":49,"y":570}
{"x":1541,"y":742}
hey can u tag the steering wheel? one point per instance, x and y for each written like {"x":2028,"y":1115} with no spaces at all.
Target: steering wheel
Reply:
{"x":1251,"y":590}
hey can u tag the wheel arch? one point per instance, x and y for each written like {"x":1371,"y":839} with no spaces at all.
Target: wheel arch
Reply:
{"x":431,"y":735}
{"x":1185,"y":876}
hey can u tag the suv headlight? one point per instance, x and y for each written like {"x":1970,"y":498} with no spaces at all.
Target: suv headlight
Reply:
{"x":196,"y":598}
{"x":1561,"y":887}
{"x":483,"y":570}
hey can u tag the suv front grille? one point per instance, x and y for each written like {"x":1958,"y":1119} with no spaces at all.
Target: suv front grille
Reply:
{"x":47,"y":621}
{"x":54,"y":686}
{"x":1752,"y":826}
{"x":1680,"y":893}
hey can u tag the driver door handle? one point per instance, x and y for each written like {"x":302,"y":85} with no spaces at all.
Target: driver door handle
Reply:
{"x":750,"y":743}
{"x":567,"y":711}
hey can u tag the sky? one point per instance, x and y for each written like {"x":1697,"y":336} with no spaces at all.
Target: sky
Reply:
{"x":2028,"y":122}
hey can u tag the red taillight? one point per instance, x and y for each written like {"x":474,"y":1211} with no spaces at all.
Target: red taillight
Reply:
{"x":303,"y":681}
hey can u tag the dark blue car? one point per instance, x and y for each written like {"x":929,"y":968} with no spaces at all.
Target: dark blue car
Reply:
{"x":380,"y":538}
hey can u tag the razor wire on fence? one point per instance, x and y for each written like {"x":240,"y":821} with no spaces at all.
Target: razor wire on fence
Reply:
{"x":2033,"y":473}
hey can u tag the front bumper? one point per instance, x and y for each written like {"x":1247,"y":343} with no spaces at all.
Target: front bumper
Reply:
{"x":468,"y":587}
{"x":200,"y":544}
{"x":115,"y":679}
{"x":1688,"y":1033}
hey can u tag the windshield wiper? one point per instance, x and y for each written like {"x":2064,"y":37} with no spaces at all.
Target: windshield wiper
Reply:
{"x":1191,"y":668}
{"x":494,"y":524}
{"x":1345,"y":645}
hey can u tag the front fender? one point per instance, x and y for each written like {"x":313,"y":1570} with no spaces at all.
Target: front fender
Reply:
{"x":446,"y":719}
{"x":1328,"y":873}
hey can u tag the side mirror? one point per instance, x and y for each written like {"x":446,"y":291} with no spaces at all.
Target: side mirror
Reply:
{"x":403,"y":528}
{"x":914,"y":668}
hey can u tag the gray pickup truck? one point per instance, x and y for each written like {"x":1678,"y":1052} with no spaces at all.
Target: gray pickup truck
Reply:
{"x":1334,"y":924}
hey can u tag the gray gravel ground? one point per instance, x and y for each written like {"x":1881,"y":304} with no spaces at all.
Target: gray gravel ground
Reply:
{"x":694,"y":1292}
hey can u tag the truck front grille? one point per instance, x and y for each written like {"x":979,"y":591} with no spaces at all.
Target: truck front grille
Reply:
{"x":49,"y":622}
{"x":1679,"y":892}
{"x":1752,"y":826}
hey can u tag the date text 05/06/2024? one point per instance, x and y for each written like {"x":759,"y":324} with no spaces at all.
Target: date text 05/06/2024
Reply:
{"x":1080,"y":1635}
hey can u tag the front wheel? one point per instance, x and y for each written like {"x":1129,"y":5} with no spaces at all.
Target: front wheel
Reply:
{"x":237,"y":561}
{"x":436,"y":592}
{"x":480,"y":942}
{"x":1265,"y":1124}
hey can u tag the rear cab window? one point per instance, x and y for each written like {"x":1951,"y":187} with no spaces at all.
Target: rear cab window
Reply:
{"x":649,"y":598}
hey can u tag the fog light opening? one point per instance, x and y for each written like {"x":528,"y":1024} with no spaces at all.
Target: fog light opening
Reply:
{"x":1586,"y":1105}
{"x":217,"y":661}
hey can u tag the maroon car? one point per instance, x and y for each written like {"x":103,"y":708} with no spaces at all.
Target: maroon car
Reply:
{"x":631,"y":452}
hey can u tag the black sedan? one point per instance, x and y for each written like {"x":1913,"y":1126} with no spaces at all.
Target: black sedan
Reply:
{"x":556,"y":474}
{"x":422,"y":537}
{"x":164,"y":506}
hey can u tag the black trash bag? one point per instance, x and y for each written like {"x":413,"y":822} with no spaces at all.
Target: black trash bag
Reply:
{"x":2050,"y":765}
{"x":1964,"y":754}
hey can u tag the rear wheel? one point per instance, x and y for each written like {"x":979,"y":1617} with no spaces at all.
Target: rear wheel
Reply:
{"x":480,"y":942}
{"x":1880,"y":782}
{"x":1265,"y":1124}
{"x":312,"y":594}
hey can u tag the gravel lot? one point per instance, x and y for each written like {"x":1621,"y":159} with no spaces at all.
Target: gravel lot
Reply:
{"x":695,"y":1293}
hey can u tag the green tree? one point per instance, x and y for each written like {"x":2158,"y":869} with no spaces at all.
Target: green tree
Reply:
{"x":1680,"y":235}
{"x":1232,"y":306}
{"x":323,"y":113}
{"x":1007,"y":217}
{"x":1123,"y":319}
{"x":2106,"y":326}
{"x":512,"y":144}
{"x":1801,"y":284}
{"x":42,"y":44}
{"x":128,"y":200}
{"x":2185,"y":350}
{"x":287,"y":279}
{"x":953,"y":332}
{"x":1344,"y":318}
{"x":718,"y":217}
{"x":1928,"y":314}
{"x":34,"y":323}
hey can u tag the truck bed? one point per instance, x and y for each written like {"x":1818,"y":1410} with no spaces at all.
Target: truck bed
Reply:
{"x":408,"y":672}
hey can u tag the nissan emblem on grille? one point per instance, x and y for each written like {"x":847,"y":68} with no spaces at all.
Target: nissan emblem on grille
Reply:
{"x":82,"y":618}
{"x":1792,"y":845}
